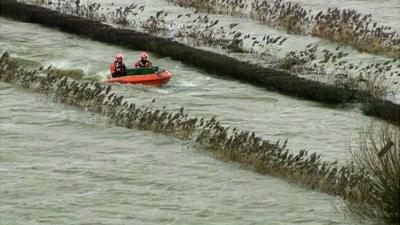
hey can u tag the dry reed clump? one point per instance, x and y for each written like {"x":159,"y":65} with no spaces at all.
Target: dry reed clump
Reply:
{"x":350,"y":27}
{"x":200,"y":32}
{"x":203,"y":31}
{"x":230,"y":7}
{"x":157,"y":24}
{"x":93,"y":11}
{"x":289,"y":16}
{"x":346,"y":25}
{"x":120,"y":15}
{"x":279,"y":14}
{"x":379,"y":158}
{"x":231,"y":144}
{"x":333,"y":68}
{"x":293,"y":61}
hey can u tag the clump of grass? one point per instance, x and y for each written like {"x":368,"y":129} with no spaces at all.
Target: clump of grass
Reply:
{"x":234,"y":45}
{"x":373,"y":86}
{"x":290,"y":61}
{"x":204,"y":31}
{"x":120,"y":15}
{"x":379,"y":158}
{"x":370,"y":85}
{"x":290,"y":16}
{"x":350,"y":27}
{"x":369,"y":79}
{"x":341,"y":25}
{"x":157,"y":24}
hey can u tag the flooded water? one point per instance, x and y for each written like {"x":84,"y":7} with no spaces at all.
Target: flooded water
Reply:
{"x":62,"y":165}
{"x":276,"y":117}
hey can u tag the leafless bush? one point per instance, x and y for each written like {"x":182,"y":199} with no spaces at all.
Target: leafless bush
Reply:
{"x":379,"y":158}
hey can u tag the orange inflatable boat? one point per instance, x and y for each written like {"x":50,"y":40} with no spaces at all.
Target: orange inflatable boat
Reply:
{"x":145,"y":76}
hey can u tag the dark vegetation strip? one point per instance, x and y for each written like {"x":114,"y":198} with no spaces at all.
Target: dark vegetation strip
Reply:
{"x":383,"y":109}
{"x":212,"y":62}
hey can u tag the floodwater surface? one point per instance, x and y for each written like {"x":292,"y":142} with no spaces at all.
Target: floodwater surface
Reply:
{"x":305,"y":124}
{"x":63,"y":165}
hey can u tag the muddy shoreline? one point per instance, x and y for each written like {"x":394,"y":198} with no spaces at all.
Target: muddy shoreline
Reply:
{"x":218,"y":64}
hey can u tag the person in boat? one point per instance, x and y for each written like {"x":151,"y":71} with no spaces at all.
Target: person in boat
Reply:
{"x":118,"y":67}
{"x":143,"y":62}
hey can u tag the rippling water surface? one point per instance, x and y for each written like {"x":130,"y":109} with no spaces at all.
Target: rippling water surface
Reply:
{"x":62,"y":165}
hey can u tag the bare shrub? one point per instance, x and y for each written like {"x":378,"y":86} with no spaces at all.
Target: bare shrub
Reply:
{"x":379,"y":158}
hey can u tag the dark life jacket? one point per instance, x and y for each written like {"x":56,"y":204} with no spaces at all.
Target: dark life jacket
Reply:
{"x":143,"y":63}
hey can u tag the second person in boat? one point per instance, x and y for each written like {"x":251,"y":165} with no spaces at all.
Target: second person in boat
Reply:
{"x":143,"y":62}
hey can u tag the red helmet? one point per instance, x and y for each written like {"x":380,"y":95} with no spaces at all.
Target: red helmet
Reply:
{"x":143,"y":55}
{"x":119,"y":56}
